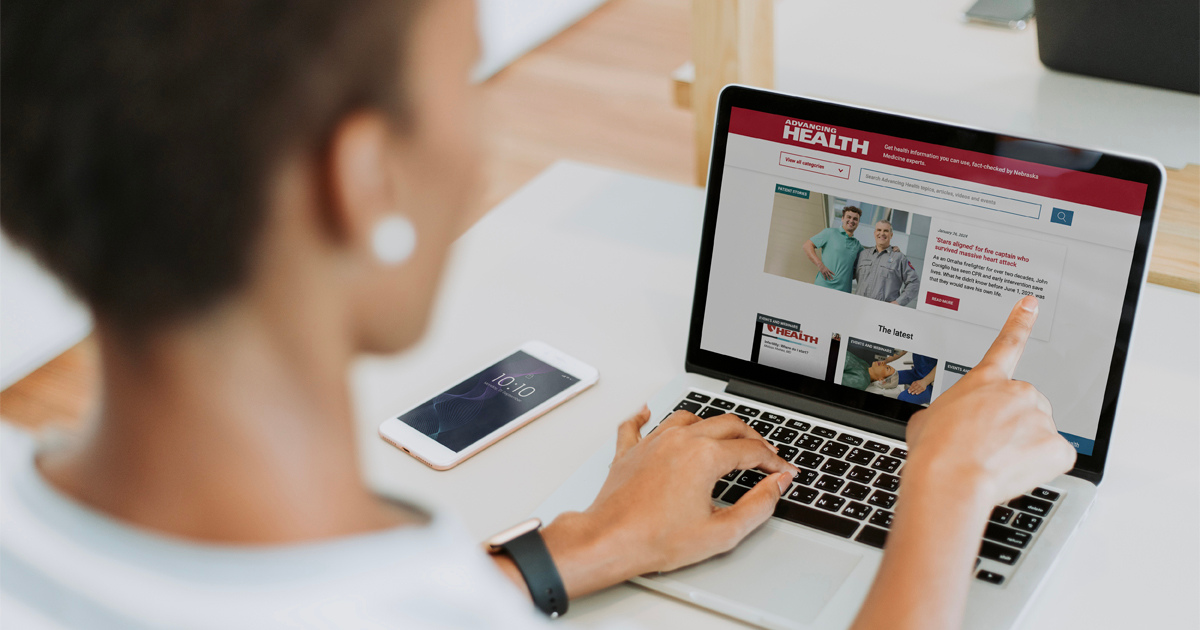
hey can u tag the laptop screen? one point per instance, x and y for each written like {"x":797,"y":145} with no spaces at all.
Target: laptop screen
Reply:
{"x":869,"y":259}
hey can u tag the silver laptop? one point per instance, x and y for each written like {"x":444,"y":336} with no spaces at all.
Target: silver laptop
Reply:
{"x":927,"y":233}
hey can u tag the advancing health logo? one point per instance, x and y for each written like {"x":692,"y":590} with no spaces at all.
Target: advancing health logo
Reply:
{"x":823,"y":135}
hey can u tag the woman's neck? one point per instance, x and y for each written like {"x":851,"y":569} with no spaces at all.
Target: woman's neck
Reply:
{"x":237,"y":429}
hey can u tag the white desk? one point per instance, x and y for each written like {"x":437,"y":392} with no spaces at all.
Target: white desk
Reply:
{"x":602,"y":264}
{"x":918,"y":57}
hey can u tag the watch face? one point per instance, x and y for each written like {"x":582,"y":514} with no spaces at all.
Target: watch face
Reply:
{"x":497,"y":542}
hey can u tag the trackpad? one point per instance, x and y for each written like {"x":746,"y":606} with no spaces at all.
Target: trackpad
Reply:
{"x":775,"y":570}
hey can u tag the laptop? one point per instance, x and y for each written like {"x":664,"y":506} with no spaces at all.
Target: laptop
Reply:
{"x":953,"y":225}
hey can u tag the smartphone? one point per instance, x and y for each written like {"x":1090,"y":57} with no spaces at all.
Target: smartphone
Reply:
{"x":1014,"y":14}
{"x":497,"y":400}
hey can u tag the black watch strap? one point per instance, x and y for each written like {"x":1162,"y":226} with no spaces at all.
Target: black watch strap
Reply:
{"x":529,"y":553}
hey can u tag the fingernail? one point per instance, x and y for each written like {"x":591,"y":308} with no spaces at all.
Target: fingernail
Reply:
{"x":784,"y":480}
{"x":1029,"y":303}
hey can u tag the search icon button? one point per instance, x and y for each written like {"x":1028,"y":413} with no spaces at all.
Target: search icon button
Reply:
{"x":1058,"y":215}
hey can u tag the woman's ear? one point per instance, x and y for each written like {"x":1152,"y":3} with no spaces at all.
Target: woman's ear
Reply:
{"x":360,"y":190}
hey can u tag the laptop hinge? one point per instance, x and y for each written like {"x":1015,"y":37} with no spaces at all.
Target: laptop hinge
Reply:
{"x":817,"y":408}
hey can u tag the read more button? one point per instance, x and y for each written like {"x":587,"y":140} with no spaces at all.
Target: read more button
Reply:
{"x":944,"y":301}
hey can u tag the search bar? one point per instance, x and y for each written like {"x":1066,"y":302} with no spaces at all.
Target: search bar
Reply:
{"x":955,"y":194}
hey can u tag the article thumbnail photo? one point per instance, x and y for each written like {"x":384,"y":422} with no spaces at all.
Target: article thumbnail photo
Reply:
{"x":784,"y":344}
{"x":846,"y":245}
{"x":886,"y":371}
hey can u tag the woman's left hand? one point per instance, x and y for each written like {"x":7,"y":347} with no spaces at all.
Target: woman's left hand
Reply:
{"x":655,"y":510}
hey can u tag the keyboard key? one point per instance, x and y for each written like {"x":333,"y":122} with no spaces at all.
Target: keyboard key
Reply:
{"x":1027,"y":522}
{"x":852,"y":440}
{"x":801,"y":494}
{"x":1008,"y":536}
{"x":784,"y":435}
{"x":882,"y":518}
{"x":763,"y":428}
{"x":830,"y":502}
{"x":746,"y":411}
{"x":709,"y":412}
{"x":886,"y":464}
{"x":882,"y":499}
{"x":856,"y":510}
{"x":829,"y":483}
{"x":900,"y":452}
{"x":816,"y":519}
{"x":1031,"y":505}
{"x":771,"y":417}
{"x":734,"y":493}
{"x":719,"y":488}
{"x":878,"y":447}
{"x":872,"y":536}
{"x":860,"y":456}
{"x":835,"y":467}
{"x":806,"y":477}
{"x":788,"y":452}
{"x":808,"y":459}
{"x":698,"y":397}
{"x":891,"y":483}
{"x":833,"y":449}
{"x":733,"y":474}
{"x":825,"y":433}
{"x":861,"y":474}
{"x":999,"y":553}
{"x":688,"y":405}
{"x":810,"y":442}
{"x":750,"y":478}
{"x":988,"y":576}
{"x":1043,"y":493}
{"x":722,"y":404}
{"x":1000,"y":514}
{"x":856,"y":491}
{"x":799,"y":425}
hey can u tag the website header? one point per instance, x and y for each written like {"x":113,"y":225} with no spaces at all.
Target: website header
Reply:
{"x":1089,"y":189}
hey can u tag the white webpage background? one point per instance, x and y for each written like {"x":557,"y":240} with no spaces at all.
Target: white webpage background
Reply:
{"x":1071,"y":368}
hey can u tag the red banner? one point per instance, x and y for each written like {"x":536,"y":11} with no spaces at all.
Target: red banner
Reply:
{"x":1052,"y":182}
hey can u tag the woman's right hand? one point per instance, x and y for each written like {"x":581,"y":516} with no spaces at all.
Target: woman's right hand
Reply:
{"x":985,"y":440}
{"x":988,"y":429}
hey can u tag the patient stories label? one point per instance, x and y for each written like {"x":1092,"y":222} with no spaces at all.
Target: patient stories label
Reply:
{"x":791,"y":191}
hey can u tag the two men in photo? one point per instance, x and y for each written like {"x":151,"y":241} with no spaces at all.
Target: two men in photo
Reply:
{"x":883,"y":272}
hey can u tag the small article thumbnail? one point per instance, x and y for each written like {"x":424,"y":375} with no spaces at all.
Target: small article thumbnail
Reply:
{"x":846,"y":245}
{"x":887,"y":371}
{"x":783,"y":344}
{"x":952,"y":373}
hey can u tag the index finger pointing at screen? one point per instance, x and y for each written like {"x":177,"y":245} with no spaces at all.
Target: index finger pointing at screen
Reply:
{"x":1010,"y":343}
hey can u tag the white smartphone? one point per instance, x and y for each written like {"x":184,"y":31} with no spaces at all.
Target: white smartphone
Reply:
{"x":499,"y":399}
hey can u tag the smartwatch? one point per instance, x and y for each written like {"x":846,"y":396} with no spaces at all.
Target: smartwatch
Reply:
{"x":523,"y":543}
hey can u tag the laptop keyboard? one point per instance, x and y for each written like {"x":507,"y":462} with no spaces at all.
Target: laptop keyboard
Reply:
{"x":849,"y":481}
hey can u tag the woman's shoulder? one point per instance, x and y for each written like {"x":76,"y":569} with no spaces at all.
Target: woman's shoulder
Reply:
{"x":69,"y":566}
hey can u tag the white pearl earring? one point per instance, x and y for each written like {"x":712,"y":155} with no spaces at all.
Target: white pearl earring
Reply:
{"x":394,"y":239}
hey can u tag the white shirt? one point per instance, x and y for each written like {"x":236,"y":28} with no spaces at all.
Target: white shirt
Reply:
{"x":65,"y":565}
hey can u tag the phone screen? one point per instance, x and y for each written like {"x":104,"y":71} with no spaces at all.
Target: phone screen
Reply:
{"x":465,"y":413}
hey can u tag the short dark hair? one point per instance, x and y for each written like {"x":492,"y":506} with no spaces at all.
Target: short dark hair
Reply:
{"x":853,"y":209}
{"x":140,"y":135}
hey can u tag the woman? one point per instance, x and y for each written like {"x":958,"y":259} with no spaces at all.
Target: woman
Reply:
{"x":250,"y":194}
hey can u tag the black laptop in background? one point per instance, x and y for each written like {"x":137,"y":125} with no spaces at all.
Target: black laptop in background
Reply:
{"x":1154,"y":42}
